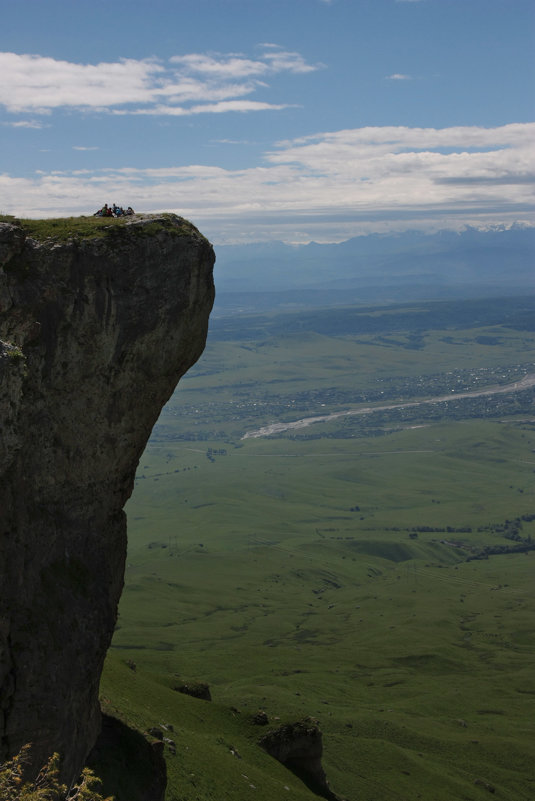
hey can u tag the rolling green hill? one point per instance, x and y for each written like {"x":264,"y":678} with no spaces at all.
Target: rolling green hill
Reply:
{"x":373,"y":571}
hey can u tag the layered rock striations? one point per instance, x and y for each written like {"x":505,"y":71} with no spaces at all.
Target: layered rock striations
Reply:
{"x":96,"y":330}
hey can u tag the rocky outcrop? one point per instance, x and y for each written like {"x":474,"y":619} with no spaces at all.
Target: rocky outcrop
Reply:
{"x":96,"y":330}
{"x":299,"y":746}
{"x":197,"y":689}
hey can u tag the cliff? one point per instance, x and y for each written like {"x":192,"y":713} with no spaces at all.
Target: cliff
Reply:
{"x":97,"y":324}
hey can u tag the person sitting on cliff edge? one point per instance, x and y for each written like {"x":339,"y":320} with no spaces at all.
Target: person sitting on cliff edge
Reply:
{"x":113,"y":211}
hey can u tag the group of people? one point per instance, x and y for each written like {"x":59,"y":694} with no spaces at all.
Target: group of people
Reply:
{"x":113,"y":211}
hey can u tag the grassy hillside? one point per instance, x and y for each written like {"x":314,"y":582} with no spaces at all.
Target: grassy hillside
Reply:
{"x":349,"y":571}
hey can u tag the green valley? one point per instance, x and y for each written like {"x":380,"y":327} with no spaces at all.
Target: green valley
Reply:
{"x":372,"y":570}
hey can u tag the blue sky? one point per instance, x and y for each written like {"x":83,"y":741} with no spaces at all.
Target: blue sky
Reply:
{"x":293,"y":120}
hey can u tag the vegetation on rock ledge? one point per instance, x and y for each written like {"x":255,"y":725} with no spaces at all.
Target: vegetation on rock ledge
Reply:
{"x":66,"y":228}
{"x":46,"y":786}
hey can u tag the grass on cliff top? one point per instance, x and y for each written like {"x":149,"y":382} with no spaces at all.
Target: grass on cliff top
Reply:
{"x":65,"y":228}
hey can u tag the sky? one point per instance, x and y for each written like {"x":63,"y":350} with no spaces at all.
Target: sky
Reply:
{"x":260,"y":120}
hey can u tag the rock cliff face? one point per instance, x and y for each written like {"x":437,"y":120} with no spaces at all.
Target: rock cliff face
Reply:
{"x":96,"y":330}
{"x":299,"y":746}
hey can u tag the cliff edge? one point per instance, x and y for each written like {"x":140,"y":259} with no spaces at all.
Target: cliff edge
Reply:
{"x":98,"y":321}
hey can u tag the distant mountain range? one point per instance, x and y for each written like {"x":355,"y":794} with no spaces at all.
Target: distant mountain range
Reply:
{"x":378,"y":268}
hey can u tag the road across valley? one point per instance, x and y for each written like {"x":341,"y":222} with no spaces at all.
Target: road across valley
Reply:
{"x":277,"y":428}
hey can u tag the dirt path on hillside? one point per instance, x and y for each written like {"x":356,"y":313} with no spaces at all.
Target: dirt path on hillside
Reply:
{"x":277,"y":428}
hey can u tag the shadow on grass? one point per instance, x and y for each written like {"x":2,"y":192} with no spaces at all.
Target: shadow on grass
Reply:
{"x":131,"y":768}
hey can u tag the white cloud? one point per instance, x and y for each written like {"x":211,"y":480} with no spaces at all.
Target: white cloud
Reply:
{"x":326,"y":186}
{"x":399,"y":76}
{"x":233,"y":66}
{"x":397,"y":138}
{"x":206,"y":108}
{"x":231,"y":142}
{"x":26,"y":124}
{"x":287,"y":61}
{"x":40,"y":85}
